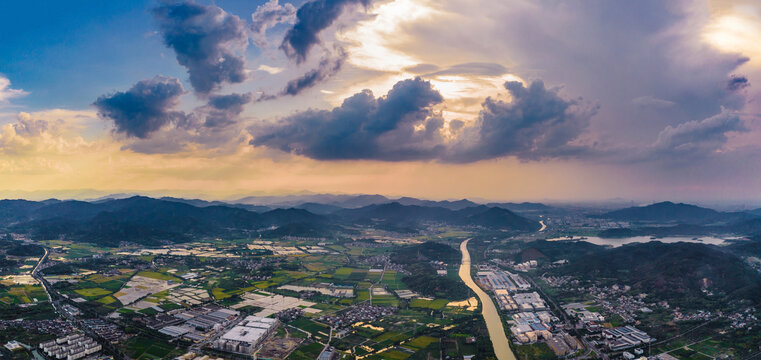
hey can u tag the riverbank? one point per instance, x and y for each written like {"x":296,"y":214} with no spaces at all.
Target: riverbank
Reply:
{"x":488,"y":309}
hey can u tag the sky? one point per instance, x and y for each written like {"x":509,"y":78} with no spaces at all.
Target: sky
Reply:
{"x":509,"y":100}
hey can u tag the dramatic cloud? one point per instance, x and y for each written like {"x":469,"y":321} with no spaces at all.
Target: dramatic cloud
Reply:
{"x":144,"y":108}
{"x":43,"y":133}
{"x":224,"y":110}
{"x":398,"y":126}
{"x":205,"y":39}
{"x":697,"y":137}
{"x":268,"y":15}
{"x":312,"y":18}
{"x":6,"y":92}
{"x":537,"y":123}
{"x":328,"y":66}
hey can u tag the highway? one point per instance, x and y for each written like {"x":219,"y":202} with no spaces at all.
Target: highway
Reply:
{"x":488,"y":309}
{"x":43,"y":282}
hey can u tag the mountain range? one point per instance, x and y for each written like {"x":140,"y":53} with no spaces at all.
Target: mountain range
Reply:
{"x":150,"y":221}
{"x":669,"y":212}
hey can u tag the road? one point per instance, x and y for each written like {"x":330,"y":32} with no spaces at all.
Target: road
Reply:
{"x":370,"y":290}
{"x":489,"y":310}
{"x":43,"y":282}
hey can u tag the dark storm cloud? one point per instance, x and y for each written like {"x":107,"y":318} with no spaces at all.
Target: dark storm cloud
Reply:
{"x":536,"y":124}
{"x":223,"y":110}
{"x":737,"y":83}
{"x":268,"y":15}
{"x":363,"y":127}
{"x":311,"y":18}
{"x":327,"y":67}
{"x":205,"y":39}
{"x":144,"y":108}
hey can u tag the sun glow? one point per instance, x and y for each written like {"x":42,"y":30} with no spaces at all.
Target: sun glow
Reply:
{"x":371,"y":42}
{"x":738,"y":32}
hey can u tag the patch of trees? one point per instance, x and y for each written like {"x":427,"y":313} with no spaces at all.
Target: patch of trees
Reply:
{"x":428,"y":250}
{"x":27,"y":250}
{"x":424,"y":281}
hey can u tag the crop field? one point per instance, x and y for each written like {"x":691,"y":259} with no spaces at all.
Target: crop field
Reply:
{"x":145,"y":348}
{"x":107,"y":300}
{"x":323,"y":262}
{"x":393,"y":280}
{"x":437,"y":304}
{"x":92,"y":292}
{"x":343,"y":273}
{"x":392,"y":354}
{"x":306,"y":352}
{"x":385,"y":300}
{"x":22,"y":294}
{"x":310,"y":326}
{"x":420,"y":342}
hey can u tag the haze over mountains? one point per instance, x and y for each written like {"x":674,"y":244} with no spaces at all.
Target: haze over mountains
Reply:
{"x":150,"y":221}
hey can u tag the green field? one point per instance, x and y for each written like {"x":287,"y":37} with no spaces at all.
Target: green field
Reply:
{"x":420,"y":342}
{"x":385,"y":300}
{"x":437,"y":304}
{"x":145,"y":348}
{"x":307,"y":352}
{"x":107,"y":300}
{"x":392,"y":354}
{"x":539,"y":351}
{"x":22,"y":294}
{"x":92,"y":292}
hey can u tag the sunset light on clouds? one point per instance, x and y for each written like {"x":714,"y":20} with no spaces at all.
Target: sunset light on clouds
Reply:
{"x":438,"y":99}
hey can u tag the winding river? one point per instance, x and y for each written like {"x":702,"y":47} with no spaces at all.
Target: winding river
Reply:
{"x":489,"y":310}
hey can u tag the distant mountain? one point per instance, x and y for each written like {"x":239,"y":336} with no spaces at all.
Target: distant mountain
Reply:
{"x":204,"y":203}
{"x":521,"y":207}
{"x":412,"y":215}
{"x":358,"y":201}
{"x":148,"y":221}
{"x":345,"y":201}
{"x":451,"y":205}
{"x":673,"y":272}
{"x":13,"y":211}
{"x":498,"y":218}
{"x":322,"y":209}
{"x":669,"y":212}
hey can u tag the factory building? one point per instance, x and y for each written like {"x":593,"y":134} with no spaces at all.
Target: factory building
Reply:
{"x":247,"y":335}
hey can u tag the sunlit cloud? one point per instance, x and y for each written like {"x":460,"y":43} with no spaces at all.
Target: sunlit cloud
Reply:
{"x":738,"y":31}
{"x":6,"y":92}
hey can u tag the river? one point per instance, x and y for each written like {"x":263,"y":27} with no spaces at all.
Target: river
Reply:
{"x":489,"y":310}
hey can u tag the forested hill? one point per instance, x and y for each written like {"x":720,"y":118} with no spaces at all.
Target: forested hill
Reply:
{"x":671,"y":271}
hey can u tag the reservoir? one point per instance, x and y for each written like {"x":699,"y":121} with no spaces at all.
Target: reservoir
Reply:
{"x":489,"y":310}
{"x":616,"y":242}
